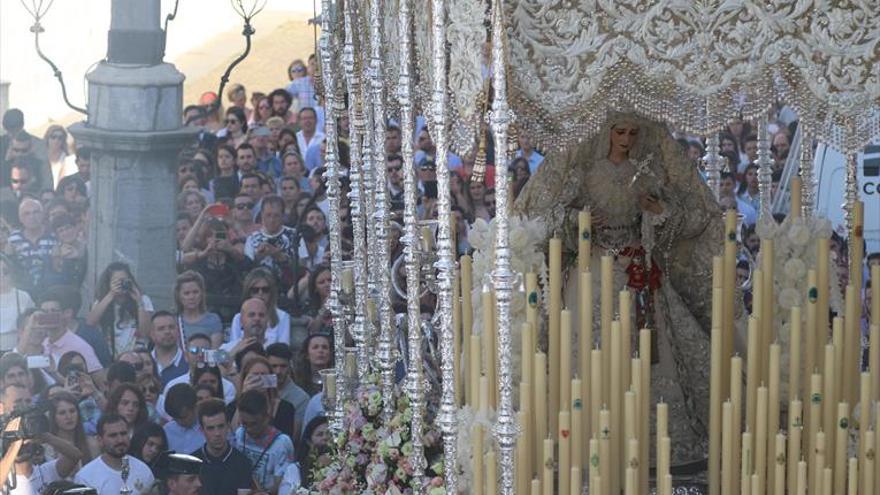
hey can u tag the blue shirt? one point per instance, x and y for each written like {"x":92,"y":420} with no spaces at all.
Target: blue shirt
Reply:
{"x":271,"y":165}
{"x":178,"y":367}
{"x":270,"y":455}
{"x":184,"y":440}
{"x":96,"y":339}
{"x":535,"y":159}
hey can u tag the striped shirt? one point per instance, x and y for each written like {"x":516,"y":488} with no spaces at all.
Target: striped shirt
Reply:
{"x":32,"y":256}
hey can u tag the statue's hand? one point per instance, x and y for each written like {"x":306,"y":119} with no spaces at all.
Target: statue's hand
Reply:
{"x":649,"y":202}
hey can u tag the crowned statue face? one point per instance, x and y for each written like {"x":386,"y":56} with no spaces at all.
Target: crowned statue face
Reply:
{"x":624,"y":136}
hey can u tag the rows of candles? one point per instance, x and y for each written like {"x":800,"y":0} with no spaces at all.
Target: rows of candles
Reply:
{"x":585,"y":410}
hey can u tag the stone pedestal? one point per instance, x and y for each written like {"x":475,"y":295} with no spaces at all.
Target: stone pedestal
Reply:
{"x":134,"y":126}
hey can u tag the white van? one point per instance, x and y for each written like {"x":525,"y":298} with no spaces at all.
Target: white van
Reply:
{"x":830,"y":169}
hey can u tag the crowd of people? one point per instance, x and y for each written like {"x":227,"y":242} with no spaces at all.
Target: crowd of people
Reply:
{"x":230,"y":373}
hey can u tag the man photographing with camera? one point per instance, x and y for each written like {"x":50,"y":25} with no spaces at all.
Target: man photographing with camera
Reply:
{"x":31,"y":472}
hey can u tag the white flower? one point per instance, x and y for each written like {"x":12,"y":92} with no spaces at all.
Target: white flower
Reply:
{"x":789,"y":298}
{"x":795,"y":269}
{"x":480,"y":235}
{"x":519,"y":239}
{"x":799,"y":234}
{"x":766,"y":229}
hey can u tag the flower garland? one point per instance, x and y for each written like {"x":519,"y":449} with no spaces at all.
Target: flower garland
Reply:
{"x":794,"y":242}
{"x":372,"y":457}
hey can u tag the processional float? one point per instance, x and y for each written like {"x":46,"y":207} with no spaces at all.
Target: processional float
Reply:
{"x":790,"y":411}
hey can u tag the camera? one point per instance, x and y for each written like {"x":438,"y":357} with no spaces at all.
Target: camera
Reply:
{"x":269,"y":381}
{"x":126,"y":285}
{"x":213,"y":357}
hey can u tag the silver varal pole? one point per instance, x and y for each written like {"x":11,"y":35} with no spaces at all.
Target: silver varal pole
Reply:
{"x":356,"y":196}
{"x":506,"y":428}
{"x":414,"y":377}
{"x":808,"y":179}
{"x":446,"y":262}
{"x":380,"y":217}
{"x":331,"y":162}
{"x":713,"y":165}
{"x":765,"y":170}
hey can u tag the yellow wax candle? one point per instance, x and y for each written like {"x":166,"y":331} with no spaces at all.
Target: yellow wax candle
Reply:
{"x":715,"y":392}
{"x":840,"y":440}
{"x":874,"y":357}
{"x":576,"y":481}
{"x":662,"y":419}
{"x":820,"y":464}
{"x":667,"y":484}
{"x":629,"y":415}
{"x":876,"y":435}
{"x":875,"y":300}
{"x":523,"y":464}
{"x":868,"y":453}
{"x":533,"y":300}
{"x":350,"y":368}
{"x":664,"y":444}
{"x":795,"y":430}
{"x":593,"y":463}
{"x":753,"y":372}
{"x":773,"y":408}
{"x":822,"y":286}
{"x":578,"y":445}
{"x":540,"y":402}
{"x":757,"y":485}
{"x":852,"y":486}
{"x":456,"y":341}
{"x":484,"y":395}
{"x":565,"y":374}
{"x":554,"y":314}
{"x":857,"y":246}
{"x":727,"y":472}
{"x":596,"y":397}
{"x":864,"y":411}
{"x":606,"y":314}
{"x":645,"y":399}
{"x":528,"y":352}
{"x":536,"y":487}
{"x":491,"y":473}
{"x":795,"y":187}
{"x":489,"y":344}
{"x":606,"y":462}
{"x":347,"y":280}
{"x":852,"y":346}
{"x":632,"y":480}
{"x":467,"y":323}
{"x":625,"y":306}
{"x":527,"y":423}
{"x":585,"y":240}
{"x":794,"y":354}
{"x":330,"y":385}
{"x":477,"y":459}
{"x":829,"y":411}
{"x":585,"y":345}
{"x":768,"y":303}
{"x":827,"y":478}
{"x":474,"y":369}
{"x":801,"y":488}
{"x":814,"y":419}
{"x":761,"y":436}
{"x":747,"y":462}
{"x":547,"y":471}
{"x":616,"y":406}
{"x":736,"y":391}
{"x":636,"y":389}
{"x":812,"y":340}
{"x":564,"y":455}
{"x":729,"y":292}
{"x":779,"y":465}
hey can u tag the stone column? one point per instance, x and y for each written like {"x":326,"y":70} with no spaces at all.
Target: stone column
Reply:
{"x":134,"y":126}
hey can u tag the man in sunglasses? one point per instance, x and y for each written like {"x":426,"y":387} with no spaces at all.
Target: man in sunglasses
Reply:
{"x":194,"y":353}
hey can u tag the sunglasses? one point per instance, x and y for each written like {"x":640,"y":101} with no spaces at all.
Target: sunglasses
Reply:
{"x":394,"y":169}
{"x":244,"y":206}
{"x":195,"y":350}
{"x":231,"y":121}
{"x":298,"y":69}
{"x":264,"y":289}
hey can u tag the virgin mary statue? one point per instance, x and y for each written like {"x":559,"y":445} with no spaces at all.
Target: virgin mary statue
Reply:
{"x":654,"y":215}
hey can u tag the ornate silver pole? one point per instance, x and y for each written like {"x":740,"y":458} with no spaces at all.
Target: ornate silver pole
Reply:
{"x":368,"y":185}
{"x":380,"y":216}
{"x":852,"y":196}
{"x":506,"y":428}
{"x":712,"y":163}
{"x":446,"y":262}
{"x":356,"y":196}
{"x":415,"y":381}
{"x":808,"y":180}
{"x":765,"y":169}
{"x":331,"y":162}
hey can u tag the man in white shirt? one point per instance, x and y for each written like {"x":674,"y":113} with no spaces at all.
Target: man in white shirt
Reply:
{"x":60,"y":340}
{"x":308,"y":134}
{"x":105,"y":472}
{"x":195,"y":346}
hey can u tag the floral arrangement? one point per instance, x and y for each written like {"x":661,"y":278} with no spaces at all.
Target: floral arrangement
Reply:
{"x":794,"y":243}
{"x":371,"y":456}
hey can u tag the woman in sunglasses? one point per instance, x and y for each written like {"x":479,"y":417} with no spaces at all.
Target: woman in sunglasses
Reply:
{"x":56,"y":149}
{"x":260,"y":283}
{"x":236,"y":128}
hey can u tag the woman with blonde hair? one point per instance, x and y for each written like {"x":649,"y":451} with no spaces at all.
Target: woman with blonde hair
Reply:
{"x":260,"y":283}
{"x":56,"y":148}
{"x":190,"y":301}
